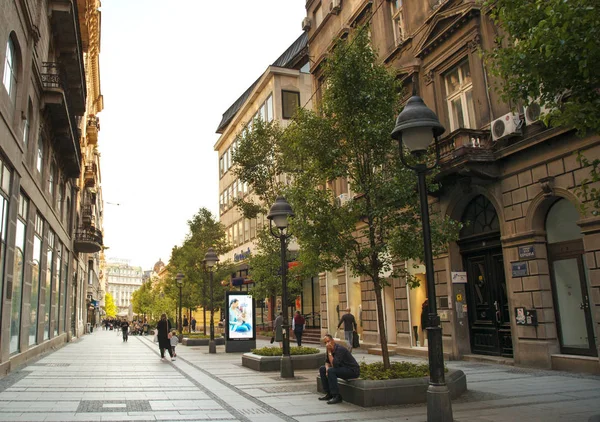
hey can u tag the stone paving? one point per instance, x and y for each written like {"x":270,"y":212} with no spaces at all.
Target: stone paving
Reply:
{"x":100,"y":378}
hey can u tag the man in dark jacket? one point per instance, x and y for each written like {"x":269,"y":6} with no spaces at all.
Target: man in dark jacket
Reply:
{"x":349,"y":327}
{"x":163,"y":328}
{"x":339,"y":363}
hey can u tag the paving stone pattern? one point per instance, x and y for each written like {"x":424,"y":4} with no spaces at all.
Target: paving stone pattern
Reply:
{"x":100,"y":378}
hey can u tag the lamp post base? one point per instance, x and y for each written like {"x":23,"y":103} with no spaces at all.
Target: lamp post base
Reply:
{"x":212,"y":347}
{"x":287,"y":370}
{"x":439,"y":406}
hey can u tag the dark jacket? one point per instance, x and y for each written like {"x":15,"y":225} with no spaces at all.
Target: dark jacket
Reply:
{"x":343,"y":358}
{"x":349,"y":322}
{"x":163,"y":327}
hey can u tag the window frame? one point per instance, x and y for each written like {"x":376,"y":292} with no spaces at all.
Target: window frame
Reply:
{"x":469,"y":121}
{"x":290,"y":114}
{"x":9,"y":78}
{"x":399,"y":28}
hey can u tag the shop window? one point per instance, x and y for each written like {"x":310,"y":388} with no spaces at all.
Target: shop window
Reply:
{"x":18,"y":274}
{"x":459,"y":97}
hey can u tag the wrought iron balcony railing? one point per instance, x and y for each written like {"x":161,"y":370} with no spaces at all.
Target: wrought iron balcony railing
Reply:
{"x":88,"y":239}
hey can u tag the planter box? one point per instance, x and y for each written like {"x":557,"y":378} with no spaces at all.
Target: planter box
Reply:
{"x":219,"y":341}
{"x":368,"y":393}
{"x":273,"y":363}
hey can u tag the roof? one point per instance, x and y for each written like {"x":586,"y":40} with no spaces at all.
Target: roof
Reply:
{"x":289,"y":59}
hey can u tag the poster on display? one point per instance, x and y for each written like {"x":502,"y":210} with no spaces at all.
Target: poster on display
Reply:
{"x":240,"y":315}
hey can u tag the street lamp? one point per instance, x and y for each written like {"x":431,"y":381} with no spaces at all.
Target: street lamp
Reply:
{"x":416,"y":128}
{"x":278,"y":214}
{"x":179,"y":277}
{"x":211,"y":259}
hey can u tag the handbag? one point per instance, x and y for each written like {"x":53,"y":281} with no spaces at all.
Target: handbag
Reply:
{"x":355,"y":339}
{"x":272,"y":339}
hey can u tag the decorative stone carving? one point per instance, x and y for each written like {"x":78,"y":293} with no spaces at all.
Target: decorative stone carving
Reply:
{"x":428,"y":77}
{"x":547,"y":184}
{"x":474,"y":44}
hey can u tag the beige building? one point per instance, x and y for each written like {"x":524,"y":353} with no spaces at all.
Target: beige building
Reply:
{"x":523,"y":282}
{"x":50,"y":250}
{"x":122,"y":280}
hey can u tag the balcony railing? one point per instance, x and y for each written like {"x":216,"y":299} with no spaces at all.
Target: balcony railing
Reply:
{"x":93,"y":126}
{"x":467,"y":150}
{"x":90,"y":174}
{"x":88,"y":240}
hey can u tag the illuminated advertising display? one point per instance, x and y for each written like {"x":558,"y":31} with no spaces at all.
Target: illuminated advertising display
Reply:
{"x":240,"y":316}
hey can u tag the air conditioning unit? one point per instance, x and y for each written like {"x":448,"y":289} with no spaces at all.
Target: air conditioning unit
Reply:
{"x":306,"y":24}
{"x":335,"y":6}
{"x":506,"y":126}
{"x":342,"y":199}
{"x":533,"y":112}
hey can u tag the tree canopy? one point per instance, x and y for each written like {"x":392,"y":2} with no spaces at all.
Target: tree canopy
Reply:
{"x":109,"y":306}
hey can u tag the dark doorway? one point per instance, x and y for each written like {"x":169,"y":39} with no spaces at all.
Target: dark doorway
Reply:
{"x":487,"y":300}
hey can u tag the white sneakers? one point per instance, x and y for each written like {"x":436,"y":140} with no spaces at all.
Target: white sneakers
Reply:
{"x":172,"y":359}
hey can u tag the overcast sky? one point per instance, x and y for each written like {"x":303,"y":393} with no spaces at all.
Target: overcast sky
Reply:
{"x":168,"y":71}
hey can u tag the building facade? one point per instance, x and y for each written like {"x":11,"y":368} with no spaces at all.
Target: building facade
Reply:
{"x":122,"y":280}
{"x":523,"y":281}
{"x":50,"y":88}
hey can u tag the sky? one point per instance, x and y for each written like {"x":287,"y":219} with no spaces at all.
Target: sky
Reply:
{"x":168,"y":72}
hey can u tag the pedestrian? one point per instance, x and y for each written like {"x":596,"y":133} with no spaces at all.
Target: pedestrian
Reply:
{"x":164,"y":327}
{"x":193,"y":324}
{"x":278,"y":328}
{"x":125,"y":329}
{"x":298,"y":327}
{"x":349,"y":326}
{"x":185,"y":322}
{"x":339,"y":363}
{"x":174,"y":340}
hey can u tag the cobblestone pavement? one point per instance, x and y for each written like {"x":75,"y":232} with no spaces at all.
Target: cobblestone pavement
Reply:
{"x":100,"y":378}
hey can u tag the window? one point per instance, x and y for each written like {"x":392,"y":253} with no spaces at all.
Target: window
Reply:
{"x":5,"y":176}
{"x":318,"y":16}
{"x":18,"y":273}
{"x":305,"y":67}
{"x":36,"y":278}
{"x":10,"y":69}
{"x":290,"y":103}
{"x":52,"y":178}
{"x":40,"y":155}
{"x":48,"y":291}
{"x":459,"y":97}
{"x":397,"y":20}
{"x":26,"y":124}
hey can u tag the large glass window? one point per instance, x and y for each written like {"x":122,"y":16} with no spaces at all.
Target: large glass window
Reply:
{"x":459,"y":97}
{"x":63,"y":289}
{"x":57,"y":293}
{"x":48,"y":292}
{"x":10,"y":69}
{"x":290,"y":103}
{"x":36,"y":278}
{"x":397,"y":20}
{"x":18,"y":273}
{"x":5,"y":176}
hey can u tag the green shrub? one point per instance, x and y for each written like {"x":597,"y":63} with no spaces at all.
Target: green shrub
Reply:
{"x":200,"y":335}
{"x":277,"y":351}
{"x":375,"y":371}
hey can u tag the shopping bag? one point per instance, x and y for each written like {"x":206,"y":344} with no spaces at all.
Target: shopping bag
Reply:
{"x":272,"y":339}
{"x":355,"y":340}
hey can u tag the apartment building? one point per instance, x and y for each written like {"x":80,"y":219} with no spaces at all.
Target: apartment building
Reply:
{"x":522,"y":282}
{"x":49,"y":99}
{"x":122,"y":280}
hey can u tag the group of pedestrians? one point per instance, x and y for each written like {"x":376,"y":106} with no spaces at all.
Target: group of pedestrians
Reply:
{"x":166,"y":337}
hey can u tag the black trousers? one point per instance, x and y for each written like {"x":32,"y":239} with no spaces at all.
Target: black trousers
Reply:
{"x":298,"y":335}
{"x":162,"y":344}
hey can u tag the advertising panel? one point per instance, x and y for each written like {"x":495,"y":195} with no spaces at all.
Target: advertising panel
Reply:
{"x":240,"y":315}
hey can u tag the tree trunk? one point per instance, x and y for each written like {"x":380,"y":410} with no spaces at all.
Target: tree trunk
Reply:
{"x":381,"y":323}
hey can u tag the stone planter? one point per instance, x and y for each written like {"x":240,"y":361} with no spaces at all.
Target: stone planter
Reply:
{"x":368,"y":393}
{"x":219,"y":341}
{"x":273,"y":363}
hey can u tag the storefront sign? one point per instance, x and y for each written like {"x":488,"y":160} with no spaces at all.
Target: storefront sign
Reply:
{"x":459,"y":276}
{"x":519,"y":269}
{"x":241,"y":256}
{"x":527,"y":252}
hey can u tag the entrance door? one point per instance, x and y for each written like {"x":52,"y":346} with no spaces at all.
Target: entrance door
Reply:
{"x":489,"y":317}
{"x":571,"y":298}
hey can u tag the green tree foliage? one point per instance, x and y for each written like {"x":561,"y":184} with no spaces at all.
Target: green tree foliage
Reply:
{"x":347,"y":137}
{"x":109,"y":306}
{"x":550,"y":51}
{"x":142,"y":299}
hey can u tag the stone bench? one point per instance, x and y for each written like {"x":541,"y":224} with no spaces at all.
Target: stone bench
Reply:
{"x":369,"y":393}
{"x":273,"y":363}
{"x":219,"y":341}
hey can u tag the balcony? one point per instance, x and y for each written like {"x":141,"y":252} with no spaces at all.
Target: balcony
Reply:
{"x":93,"y":126}
{"x":90,"y":175}
{"x":66,"y":133}
{"x":467,"y":152}
{"x":64,"y":21}
{"x":88,"y":239}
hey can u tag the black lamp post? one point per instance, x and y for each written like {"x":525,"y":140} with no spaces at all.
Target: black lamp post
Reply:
{"x":179,"y":277}
{"x":278,"y":214}
{"x":211,"y":259}
{"x":416,"y":128}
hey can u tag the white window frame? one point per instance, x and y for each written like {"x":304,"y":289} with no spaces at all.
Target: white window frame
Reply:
{"x":461,"y":93}
{"x":398,"y":21}
{"x":10,"y":72}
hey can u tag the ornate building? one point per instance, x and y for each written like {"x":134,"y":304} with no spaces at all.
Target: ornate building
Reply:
{"x":122,"y":280}
{"x":50,"y":251}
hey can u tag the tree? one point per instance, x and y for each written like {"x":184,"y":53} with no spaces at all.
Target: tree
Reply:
{"x":550,"y":53}
{"x":109,"y":306}
{"x":349,"y":138}
{"x":142,"y":298}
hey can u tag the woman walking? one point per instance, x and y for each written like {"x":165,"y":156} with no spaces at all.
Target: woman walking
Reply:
{"x":164,"y":327}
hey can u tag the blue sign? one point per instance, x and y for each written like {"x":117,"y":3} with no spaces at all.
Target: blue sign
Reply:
{"x":527,"y":252}
{"x":241,"y":256}
{"x":519,"y":269}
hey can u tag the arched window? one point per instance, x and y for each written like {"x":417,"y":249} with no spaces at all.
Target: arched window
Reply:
{"x":479,"y":218}
{"x":10,"y":69}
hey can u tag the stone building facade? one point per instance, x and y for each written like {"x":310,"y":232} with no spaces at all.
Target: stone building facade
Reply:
{"x":523,"y":281}
{"x":50,"y":250}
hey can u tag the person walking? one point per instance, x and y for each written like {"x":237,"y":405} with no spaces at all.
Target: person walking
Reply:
{"x":185,"y":322}
{"x":298,"y":327}
{"x":174,"y":340}
{"x":164,"y":327}
{"x":339,"y":363}
{"x":349,"y":326}
{"x":125,"y":329}
{"x":278,"y":328}
{"x":193,"y":324}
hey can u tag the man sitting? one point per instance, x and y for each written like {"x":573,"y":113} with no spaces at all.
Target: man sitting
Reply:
{"x":339,"y":364}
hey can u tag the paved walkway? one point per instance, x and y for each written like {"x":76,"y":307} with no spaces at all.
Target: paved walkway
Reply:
{"x":100,"y":378}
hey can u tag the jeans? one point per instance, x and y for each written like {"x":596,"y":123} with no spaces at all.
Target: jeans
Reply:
{"x":298,"y":334}
{"x":348,"y":335}
{"x":329,"y":378}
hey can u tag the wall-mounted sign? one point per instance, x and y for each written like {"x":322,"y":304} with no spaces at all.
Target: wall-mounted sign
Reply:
{"x":527,"y":252}
{"x":525,"y":316}
{"x":459,"y":276}
{"x":519,"y":269}
{"x":242,"y":255}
